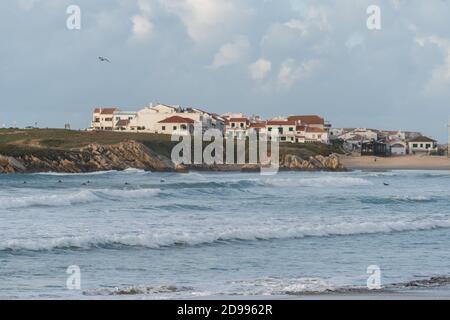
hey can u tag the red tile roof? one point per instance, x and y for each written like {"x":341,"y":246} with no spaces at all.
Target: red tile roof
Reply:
{"x":280,"y":123}
{"x":176,"y":119}
{"x":309,"y":119}
{"x":422,"y":139}
{"x":258,"y":125}
{"x":313,"y":129}
{"x":238,"y":120}
{"x":309,"y":129}
{"x":105,"y":110}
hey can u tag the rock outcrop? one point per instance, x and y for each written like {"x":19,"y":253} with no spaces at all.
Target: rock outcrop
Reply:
{"x":94,"y":157}
{"x":132,"y":154}
{"x":319,"y":162}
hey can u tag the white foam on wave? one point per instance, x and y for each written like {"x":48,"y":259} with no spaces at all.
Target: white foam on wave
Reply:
{"x":158,"y":238}
{"x":93,"y":173}
{"x":411,"y":198}
{"x":129,"y":193}
{"x":77,"y":197}
{"x":334,"y":181}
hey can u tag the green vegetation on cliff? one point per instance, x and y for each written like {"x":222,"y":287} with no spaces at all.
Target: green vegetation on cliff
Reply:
{"x":20,"y":142}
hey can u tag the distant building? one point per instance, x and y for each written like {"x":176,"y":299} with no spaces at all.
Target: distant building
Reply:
{"x":122,"y":119}
{"x":422,"y":145}
{"x":103,"y":119}
{"x":398,"y":147}
{"x":375,"y":148}
{"x":176,"y":125}
{"x":313,"y":121}
{"x":285,"y":129}
{"x":236,"y":127}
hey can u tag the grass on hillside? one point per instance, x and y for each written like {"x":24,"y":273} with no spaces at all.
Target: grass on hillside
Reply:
{"x":17,"y":142}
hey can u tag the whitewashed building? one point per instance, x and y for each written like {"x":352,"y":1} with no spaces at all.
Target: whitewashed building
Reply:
{"x":103,"y":119}
{"x":236,"y":127}
{"x":147,"y":119}
{"x":176,"y":125}
{"x":422,"y":145}
{"x":398,"y":147}
{"x":285,"y":129}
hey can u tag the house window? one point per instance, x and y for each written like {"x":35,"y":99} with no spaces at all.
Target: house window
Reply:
{"x":269,"y":129}
{"x":292,"y":138}
{"x":183,"y":127}
{"x":319,"y":136}
{"x":280,"y":130}
{"x":233,"y":125}
{"x":428,"y":146}
{"x":163,"y":128}
{"x":174,"y":127}
{"x":242,"y":124}
{"x":291,"y":129}
{"x":283,"y":139}
{"x":421,"y":145}
{"x":414,"y":145}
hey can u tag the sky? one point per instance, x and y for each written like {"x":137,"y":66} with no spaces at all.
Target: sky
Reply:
{"x":270,"y":58}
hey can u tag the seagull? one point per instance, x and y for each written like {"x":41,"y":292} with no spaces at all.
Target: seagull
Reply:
{"x":103,"y":59}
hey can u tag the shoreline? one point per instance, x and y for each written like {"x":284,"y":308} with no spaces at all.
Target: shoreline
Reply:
{"x":409,"y":162}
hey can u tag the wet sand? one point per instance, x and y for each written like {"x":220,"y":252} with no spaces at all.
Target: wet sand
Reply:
{"x":410,"y":162}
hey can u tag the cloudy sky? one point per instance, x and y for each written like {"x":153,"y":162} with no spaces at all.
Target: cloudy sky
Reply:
{"x":259,"y":57}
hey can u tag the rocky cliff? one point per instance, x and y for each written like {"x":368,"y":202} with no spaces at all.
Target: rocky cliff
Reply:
{"x":94,"y":157}
{"x":131,"y":154}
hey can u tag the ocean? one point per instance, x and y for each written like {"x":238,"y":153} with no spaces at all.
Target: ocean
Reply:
{"x":144,"y":235}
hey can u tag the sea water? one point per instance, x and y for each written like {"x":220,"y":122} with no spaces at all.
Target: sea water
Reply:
{"x":197,"y":235}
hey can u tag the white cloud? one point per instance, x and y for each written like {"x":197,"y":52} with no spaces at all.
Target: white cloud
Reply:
{"x":259,"y":69}
{"x":309,"y":31}
{"x":231,"y":53}
{"x":142,"y":25}
{"x":292,"y":71}
{"x":205,"y":19}
{"x":440,"y":78}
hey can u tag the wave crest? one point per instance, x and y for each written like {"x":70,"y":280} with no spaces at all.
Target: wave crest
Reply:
{"x":155,"y":240}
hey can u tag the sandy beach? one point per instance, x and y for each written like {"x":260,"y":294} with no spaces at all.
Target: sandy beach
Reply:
{"x":410,"y":162}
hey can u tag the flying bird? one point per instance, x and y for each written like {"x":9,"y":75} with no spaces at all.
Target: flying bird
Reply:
{"x":103,"y":59}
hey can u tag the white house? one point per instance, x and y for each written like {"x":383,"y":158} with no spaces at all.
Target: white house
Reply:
{"x":122,"y":119}
{"x":176,"y":125}
{"x":259,"y":128}
{"x":422,"y":145}
{"x":147,"y":119}
{"x":284,"y":128}
{"x":236,"y":127}
{"x":398,"y":147}
{"x":103,"y":119}
{"x":207,"y":119}
{"x":313,"y":121}
{"x":305,"y":134}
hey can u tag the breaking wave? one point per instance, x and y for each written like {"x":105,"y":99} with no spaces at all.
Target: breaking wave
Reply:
{"x":75,"y":197}
{"x":93,"y":173}
{"x":397,"y":199}
{"x":159,"y":239}
{"x":54,"y":200}
{"x":130,"y":193}
{"x":333,"y":181}
{"x":136,"y":290}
